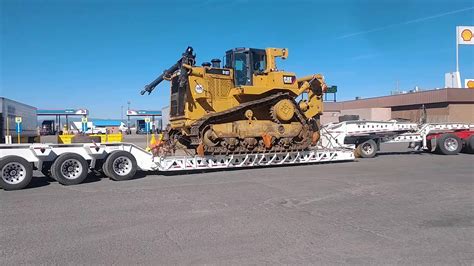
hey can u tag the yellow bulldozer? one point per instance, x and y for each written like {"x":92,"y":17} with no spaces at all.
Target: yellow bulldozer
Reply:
{"x":247,"y":105}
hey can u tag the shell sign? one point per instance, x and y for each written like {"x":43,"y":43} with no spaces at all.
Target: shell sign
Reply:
{"x":469,"y":83}
{"x":465,"y":35}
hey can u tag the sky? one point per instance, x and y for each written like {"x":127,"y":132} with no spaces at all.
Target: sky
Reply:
{"x":99,"y":54}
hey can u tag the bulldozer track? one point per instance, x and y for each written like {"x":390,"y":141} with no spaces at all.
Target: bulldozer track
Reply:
{"x":215,"y":118}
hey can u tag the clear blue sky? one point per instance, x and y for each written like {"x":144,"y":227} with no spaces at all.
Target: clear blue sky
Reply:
{"x":99,"y":54}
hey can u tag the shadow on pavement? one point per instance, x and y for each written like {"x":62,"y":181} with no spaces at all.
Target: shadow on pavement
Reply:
{"x":37,"y":182}
{"x":42,"y":181}
{"x":402,"y":153}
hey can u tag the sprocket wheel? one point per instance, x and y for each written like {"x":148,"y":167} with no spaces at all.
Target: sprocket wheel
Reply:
{"x":273,"y":115}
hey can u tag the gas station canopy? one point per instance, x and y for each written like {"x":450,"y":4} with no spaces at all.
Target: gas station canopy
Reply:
{"x":143,"y":113}
{"x":67,"y":112}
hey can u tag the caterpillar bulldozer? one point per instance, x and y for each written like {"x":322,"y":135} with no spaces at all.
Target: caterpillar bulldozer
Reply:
{"x":247,"y":105}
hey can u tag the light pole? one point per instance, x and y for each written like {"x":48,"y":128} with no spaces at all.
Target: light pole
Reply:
{"x":128,"y":118}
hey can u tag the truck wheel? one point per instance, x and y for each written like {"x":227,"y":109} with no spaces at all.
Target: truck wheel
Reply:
{"x":367,"y":149}
{"x":448,"y":144}
{"x":70,"y":169}
{"x":120,"y":165}
{"x":16,"y":173}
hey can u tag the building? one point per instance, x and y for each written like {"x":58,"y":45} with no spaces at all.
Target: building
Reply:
{"x":441,"y":105}
{"x":12,"y":112}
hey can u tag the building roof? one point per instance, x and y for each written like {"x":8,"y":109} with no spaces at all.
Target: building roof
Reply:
{"x":449,"y":95}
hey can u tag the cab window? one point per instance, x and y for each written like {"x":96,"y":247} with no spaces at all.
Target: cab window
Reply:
{"x":241,"y":69}
{"x":259,"y":62}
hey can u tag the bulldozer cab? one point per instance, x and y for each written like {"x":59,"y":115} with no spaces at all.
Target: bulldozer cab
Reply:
{"x":245,"y":62}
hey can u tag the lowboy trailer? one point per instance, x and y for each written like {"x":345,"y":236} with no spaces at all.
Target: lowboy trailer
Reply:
{"x":70,"y":164}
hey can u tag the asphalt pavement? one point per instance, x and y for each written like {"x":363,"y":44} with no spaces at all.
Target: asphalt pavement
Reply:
{"x":397,"y":208}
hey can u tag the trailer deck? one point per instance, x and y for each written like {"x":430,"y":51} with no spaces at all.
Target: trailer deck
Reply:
{"x":69,"y":163}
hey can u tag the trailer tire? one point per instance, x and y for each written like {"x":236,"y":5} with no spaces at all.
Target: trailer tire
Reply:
{"x":367,"y":149}
{"x":70,"y":169}
{"x":470,"y":144}
{"x":104,"y":169}
{"x":120,"y":165}
{"x":448,"y":144}
{"x":16,"y":172}
{"x":46,"y":169}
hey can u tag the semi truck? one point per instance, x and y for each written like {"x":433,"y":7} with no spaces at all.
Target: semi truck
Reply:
{"x":48,"y":127}
{"x":9,"y":111}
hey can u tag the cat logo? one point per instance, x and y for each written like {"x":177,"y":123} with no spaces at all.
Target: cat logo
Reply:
{"x":289,"y":79}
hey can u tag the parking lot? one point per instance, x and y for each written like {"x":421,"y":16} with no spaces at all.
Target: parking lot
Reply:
{"x":399,"y":207}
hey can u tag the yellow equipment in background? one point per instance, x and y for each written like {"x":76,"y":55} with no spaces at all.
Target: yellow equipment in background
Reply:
{"x":247,"y":105}
{"x":104,"y":138}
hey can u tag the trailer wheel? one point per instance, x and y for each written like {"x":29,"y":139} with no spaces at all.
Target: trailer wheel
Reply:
{"x":46,"y":169}
{"x":70,"y":169}
{"x":367,"y":149}
{"x":16,"y":173}
{"x":104,"y":169}
{"x":120,"y":165}
{"x":448,"y":144}
{"x":470,"y":144}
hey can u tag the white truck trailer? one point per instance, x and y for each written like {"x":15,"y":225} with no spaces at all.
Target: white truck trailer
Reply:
{"x":69,"y":164}
{"x":366,"y":136}
{"x":9,"y":110}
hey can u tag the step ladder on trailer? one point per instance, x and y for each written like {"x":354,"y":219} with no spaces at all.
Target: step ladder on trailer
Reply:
{"x":70,"y":163}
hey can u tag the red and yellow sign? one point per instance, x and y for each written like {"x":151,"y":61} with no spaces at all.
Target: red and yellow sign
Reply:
{"x":465,"y":35}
